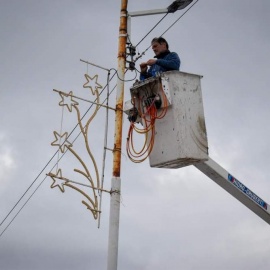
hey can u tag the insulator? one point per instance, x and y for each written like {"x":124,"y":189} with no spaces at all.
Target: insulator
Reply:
{"x":131,"y":65}
{"x":132,"y":50}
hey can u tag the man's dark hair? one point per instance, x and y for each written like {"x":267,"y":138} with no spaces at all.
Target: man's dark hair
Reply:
{"x":160,"y":40}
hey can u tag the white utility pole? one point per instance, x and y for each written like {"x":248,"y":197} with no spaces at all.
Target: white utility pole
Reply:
{"x":116,"y":180}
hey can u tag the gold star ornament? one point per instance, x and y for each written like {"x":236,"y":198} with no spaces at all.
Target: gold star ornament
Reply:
{"x":61,"y":141}
{"x":67,"y":100}
{"x":57,"y":180}
{"x":92,"y":83}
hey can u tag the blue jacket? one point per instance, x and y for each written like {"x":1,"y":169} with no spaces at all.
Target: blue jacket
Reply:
{"x":166,"y":61}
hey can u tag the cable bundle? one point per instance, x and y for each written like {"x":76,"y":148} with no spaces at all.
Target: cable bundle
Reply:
{"x":150,"y":106}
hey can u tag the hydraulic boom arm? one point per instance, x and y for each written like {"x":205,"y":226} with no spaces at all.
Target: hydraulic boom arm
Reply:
{"x":224,"y":179}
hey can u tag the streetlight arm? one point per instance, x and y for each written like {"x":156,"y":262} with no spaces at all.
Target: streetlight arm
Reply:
{"x":176,"y":5}
{"x":147,"y":12}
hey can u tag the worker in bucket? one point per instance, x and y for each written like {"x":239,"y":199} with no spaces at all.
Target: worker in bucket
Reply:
{"x":164,"y":60}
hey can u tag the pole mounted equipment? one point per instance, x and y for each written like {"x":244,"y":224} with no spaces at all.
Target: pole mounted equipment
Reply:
{"x":131,"y":52}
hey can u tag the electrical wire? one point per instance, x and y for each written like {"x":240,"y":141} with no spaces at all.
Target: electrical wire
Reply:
{"x":179,"y":18}
{"x":53,"y":158}
{"x":22,"y":206}
{"x":143,"y":53}
{"x":12,"y":209}
{"x":45,"y":176}
{"x":151,"y":29}
{"x":146,"y":107}
{"x":129,"y":80}
{"x":47,"y":164}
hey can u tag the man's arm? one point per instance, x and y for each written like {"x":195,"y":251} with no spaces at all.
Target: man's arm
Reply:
{"x":144,"y":73}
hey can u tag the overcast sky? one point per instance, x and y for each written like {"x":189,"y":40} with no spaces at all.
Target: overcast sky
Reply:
{"x":173,"y":219}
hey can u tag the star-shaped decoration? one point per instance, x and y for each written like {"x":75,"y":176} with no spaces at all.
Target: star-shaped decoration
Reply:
{"x":67,"y":100}
{"x":92,"y":83}
{"x":57,"y":180}
{"x":61,"y":141}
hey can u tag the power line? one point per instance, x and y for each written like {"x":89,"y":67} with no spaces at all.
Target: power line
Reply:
{"x":12,"y":220}
{"x":164,"y":31}
{"x":29,"y":187}
{"x":178,"y":19}
{"x":9,"y":213}
{"x":78,"y":124}
{"x":22,"y":206}
{"x":152,"y":29}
